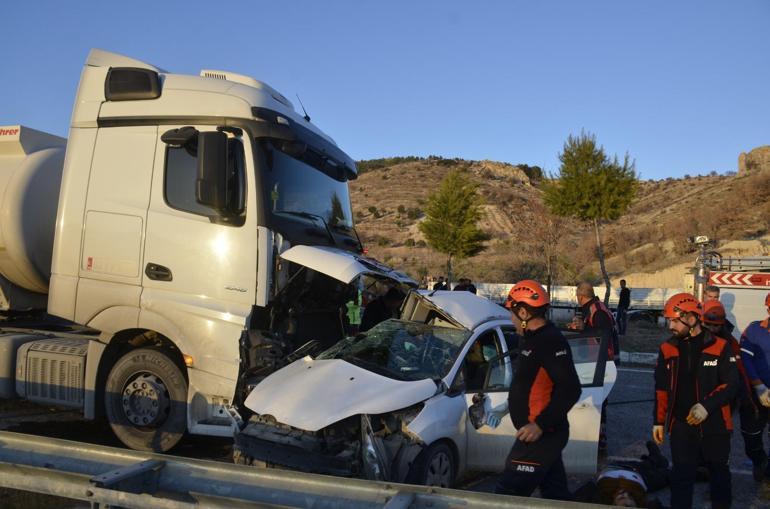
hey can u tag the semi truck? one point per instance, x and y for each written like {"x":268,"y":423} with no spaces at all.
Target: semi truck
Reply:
{"x":171,"y":252}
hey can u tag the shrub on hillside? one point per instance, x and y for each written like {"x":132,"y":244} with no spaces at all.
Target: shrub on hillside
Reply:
{"x":375,"y":164}
{"x":413,"y":213}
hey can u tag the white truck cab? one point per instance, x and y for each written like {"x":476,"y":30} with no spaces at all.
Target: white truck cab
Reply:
{"x":177,"y":196}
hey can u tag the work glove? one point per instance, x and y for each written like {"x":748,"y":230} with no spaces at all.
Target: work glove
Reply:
{"x":763,"y":393}
{"x":494,"y":418}
{"x":697,"y":415}
{"x":658,"y":434}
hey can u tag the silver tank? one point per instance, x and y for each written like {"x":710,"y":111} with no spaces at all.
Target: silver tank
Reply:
{"x":31,"y":165}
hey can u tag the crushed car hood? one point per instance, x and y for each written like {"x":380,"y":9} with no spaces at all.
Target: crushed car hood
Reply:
{"x":312,"y":394}
{"x":342,"y":265}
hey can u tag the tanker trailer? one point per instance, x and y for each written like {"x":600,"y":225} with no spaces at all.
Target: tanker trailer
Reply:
{"x":31,"y":165}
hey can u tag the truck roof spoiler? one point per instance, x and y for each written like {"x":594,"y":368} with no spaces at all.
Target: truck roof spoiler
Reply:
{"x":101,"y":58}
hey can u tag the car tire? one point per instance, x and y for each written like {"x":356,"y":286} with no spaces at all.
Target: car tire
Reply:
{"x":434,"y":466}
{"x":145,"y":400}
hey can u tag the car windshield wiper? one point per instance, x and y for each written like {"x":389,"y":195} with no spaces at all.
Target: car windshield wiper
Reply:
{"x":309,"y":215}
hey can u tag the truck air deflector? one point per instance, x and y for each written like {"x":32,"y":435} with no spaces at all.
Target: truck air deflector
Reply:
{"x":288,"y":129}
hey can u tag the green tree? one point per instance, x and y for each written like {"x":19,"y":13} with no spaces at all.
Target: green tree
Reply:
{"x":591,"y":187}
{"x":452,"y":212}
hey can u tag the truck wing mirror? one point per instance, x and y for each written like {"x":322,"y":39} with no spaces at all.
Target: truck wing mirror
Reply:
{"x":180,"y":137}
{"x":211,"y":185}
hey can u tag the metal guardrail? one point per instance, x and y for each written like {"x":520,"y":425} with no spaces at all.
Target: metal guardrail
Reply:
{"x":124,"y":478}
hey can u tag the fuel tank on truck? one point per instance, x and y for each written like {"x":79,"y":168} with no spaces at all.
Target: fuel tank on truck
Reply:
{"x":31,"y":165}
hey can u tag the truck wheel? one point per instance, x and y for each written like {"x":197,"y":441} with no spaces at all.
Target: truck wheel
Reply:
{"x":146,"y":401}
{"x":435,"y":466}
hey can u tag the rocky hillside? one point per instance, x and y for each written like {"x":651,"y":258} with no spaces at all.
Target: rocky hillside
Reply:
{"x":390,"y":194}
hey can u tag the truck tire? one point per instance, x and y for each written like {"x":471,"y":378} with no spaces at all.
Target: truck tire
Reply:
{"x":145,"y":401}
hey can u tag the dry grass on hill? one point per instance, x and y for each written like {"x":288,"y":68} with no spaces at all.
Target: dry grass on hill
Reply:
{"x":388,"y":204}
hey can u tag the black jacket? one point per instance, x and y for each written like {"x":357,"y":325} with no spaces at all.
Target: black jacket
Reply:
{"x":545,"y":385}
{"x":716,"y":383}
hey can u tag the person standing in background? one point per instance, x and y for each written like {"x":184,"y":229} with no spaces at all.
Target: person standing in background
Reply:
{"x":623,"y":304}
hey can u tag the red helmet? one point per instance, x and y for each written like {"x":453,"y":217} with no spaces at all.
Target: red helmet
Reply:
{"x":528,"y":292}
{"x":682,"y":303}
{"x":714,"y":313}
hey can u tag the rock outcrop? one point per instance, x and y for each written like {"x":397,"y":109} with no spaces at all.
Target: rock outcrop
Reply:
{"x":500,"y":171}
{"x":754,"y":161}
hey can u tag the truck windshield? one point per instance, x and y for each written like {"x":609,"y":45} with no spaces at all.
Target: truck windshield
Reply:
{"x":307,"y":184}
{"x":402,"y":350}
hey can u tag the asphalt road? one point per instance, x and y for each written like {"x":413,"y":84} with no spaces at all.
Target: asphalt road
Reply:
{"x":629,"y":427}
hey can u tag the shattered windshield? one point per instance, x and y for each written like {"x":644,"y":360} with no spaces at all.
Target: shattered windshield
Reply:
{"x":402,"y":350}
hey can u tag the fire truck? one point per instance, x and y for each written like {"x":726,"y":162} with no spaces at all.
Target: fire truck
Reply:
{"x":743,"y":282}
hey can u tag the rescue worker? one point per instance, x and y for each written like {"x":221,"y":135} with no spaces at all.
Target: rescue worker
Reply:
{"x":710,"y":293}
{"x":695,"y":380}
{"x":598,"y":319}
{"x":545,"y":386}
{"x":755,"y":347}
{"x":714,"y":319}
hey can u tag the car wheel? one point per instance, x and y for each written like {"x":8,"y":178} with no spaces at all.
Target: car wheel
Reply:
{"x":146,"y":401}
{"x":435,"y":466}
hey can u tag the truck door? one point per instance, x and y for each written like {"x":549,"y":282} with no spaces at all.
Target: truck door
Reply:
{"x":199,"y":273}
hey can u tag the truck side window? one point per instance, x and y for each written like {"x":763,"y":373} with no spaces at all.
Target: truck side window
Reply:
{"x":181,"y":174}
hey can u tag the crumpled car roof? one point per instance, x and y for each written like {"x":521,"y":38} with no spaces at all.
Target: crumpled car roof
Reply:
{"x":466,"y":308}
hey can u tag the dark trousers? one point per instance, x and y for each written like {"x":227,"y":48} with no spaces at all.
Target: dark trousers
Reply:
{"x":536,"y":464}
{"x":622,"y":320}
{"x":753,"y":421}
{"x":687,"y":448}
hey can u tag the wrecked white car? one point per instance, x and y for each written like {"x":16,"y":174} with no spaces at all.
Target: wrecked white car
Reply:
{"x":397,"y":402}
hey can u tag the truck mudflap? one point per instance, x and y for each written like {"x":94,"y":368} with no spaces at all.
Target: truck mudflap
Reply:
{"x":371,"y":447}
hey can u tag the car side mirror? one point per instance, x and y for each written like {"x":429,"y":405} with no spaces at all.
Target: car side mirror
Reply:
{"x":476,"y":410}
{"x":211,"y":185}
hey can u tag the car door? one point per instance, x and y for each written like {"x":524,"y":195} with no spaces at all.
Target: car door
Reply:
{"x":597,"y":377}
{"x":488,"y":447}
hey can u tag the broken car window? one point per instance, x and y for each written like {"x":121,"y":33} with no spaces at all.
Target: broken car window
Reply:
{"x":402,"y":350}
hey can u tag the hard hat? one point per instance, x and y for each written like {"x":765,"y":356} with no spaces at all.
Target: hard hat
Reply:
{"x":528,"y":292}
{"x":682,"y":303}
{"x":714,"y":313}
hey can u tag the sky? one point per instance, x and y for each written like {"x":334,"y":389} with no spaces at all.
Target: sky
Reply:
{"x":683,"y":87}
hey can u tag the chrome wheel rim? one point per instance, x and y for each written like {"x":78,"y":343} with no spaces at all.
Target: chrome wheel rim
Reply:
{"x":145,"y":400}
